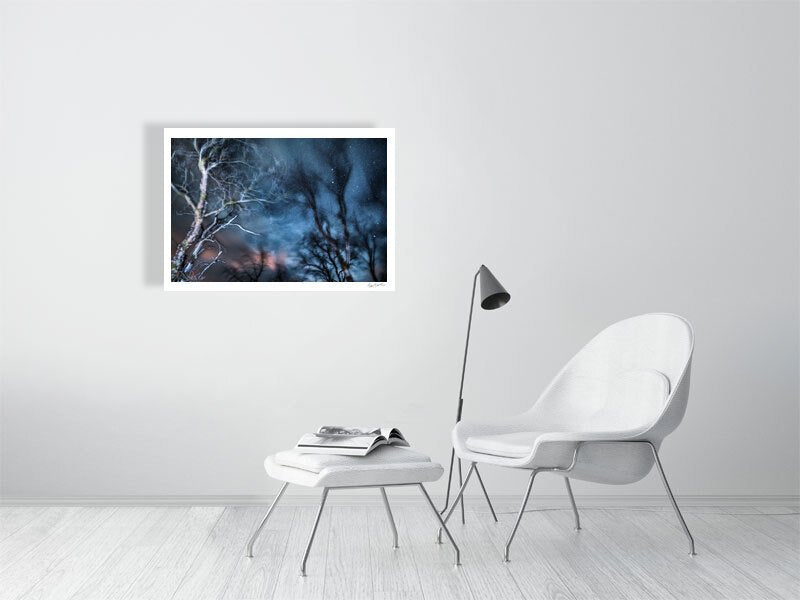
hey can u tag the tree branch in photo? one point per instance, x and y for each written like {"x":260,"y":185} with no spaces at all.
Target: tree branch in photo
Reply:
{"x":218,"y":179}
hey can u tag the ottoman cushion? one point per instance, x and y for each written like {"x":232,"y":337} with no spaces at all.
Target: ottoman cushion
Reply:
{"x":386,"y":465}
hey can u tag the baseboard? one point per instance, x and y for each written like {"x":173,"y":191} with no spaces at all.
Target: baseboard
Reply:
{"x":366,"y":499}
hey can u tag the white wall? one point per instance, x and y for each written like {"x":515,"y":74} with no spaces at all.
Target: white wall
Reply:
{"x":604,"y":160}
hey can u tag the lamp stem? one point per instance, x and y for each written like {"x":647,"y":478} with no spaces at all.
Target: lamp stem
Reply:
{"x":466,"y":347}
{"x":460,"y":392}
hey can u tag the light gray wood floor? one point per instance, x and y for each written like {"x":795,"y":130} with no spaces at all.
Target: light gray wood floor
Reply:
{"x":126,"y":553}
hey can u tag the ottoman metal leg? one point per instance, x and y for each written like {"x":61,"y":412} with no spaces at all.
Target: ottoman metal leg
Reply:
{"x":313,"y":531}
{"x":391,"y":518}
{"x":257,"y":532}
{"x":442,"y":523}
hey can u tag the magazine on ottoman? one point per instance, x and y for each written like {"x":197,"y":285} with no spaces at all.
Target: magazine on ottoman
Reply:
{"x":349,"y":441}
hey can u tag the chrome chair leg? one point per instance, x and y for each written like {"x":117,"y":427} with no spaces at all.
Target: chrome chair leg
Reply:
{"x":455,"y":502}
{"x":519,"y":516}
{"x":313,"y":531}
{"x":442,"y":523}
{"x":672,"y":499}
{"x":574,"y":507}
{"x":461,"y":482}
{"x":485,"y":495}
{"x":391,"y":518}
{"x":257,"y":532}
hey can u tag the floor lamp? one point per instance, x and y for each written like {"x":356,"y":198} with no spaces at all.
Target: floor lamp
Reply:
{"x":493,"y":295}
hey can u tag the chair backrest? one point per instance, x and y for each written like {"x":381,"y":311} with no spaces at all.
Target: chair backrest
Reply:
{"x":632,"y":375}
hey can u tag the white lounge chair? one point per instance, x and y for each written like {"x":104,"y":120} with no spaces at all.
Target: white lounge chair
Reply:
{"x":601,"y":419}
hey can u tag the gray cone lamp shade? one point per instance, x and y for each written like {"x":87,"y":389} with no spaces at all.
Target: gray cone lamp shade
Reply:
{"x":493,"y":294}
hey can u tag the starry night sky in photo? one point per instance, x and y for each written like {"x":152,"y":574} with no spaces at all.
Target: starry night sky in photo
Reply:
{"x":312,"y":209}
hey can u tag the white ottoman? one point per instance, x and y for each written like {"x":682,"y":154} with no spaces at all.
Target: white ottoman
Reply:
{"x":384,"y":467}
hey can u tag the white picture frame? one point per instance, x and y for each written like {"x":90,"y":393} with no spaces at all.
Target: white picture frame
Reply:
{"x":308,"y":134}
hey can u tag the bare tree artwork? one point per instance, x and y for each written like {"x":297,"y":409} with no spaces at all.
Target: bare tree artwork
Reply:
{"x":278,"y":210}
{"x":218,"y":179}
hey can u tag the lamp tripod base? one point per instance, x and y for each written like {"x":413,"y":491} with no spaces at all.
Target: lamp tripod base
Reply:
{"x":460,"y":483}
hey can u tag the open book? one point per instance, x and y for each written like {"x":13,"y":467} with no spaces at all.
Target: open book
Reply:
{"x":349,"y":441}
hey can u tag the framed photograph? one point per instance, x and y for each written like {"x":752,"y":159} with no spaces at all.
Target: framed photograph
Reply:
{"x":279,"y":209}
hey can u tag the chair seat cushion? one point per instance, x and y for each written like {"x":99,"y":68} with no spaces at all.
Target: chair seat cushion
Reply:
{"x":509,"y":445}
{"x":387,"y":465}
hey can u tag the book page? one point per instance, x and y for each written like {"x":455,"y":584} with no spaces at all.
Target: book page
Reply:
{"x":326,"y":430}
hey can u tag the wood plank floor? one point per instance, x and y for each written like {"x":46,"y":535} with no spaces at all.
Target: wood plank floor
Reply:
{"x":160,"y":553}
